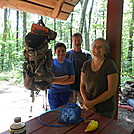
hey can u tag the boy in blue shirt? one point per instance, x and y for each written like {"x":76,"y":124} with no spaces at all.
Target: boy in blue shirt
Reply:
{"x":63,"y":76}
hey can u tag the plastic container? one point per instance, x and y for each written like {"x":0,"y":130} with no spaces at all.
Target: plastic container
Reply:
{"x":18,"y":127}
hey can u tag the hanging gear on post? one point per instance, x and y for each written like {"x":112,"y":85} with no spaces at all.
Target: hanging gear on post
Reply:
{"x":38,"y":58}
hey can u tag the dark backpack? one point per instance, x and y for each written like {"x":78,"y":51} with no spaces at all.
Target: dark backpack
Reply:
{"x":38,"y":58}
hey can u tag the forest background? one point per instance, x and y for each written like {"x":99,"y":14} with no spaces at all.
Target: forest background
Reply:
{"x":88,"y":18}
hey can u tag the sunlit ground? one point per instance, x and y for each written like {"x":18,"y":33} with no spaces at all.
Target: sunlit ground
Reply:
{"x":16,"y":101}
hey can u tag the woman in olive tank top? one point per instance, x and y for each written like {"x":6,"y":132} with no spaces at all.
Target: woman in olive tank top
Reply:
{"x":99,"y":80}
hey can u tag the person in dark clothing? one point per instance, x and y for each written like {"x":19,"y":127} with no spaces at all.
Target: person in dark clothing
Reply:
{"x":78,"y":57}
{"x":99,"y":80}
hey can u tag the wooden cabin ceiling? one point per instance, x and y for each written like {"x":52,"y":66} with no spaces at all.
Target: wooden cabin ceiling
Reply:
{"x":59,"y":9}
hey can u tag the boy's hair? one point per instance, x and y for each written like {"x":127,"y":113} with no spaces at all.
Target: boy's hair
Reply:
{"x":77,"y":34}
{"x":59,"y":45}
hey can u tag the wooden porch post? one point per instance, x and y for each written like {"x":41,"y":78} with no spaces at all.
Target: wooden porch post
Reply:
{"x":114,"y":33}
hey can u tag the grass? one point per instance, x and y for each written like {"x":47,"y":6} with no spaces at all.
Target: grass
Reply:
{"x":15,"y":77}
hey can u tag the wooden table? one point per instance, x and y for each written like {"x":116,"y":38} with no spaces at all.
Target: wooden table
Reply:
{"x":106,"y":125}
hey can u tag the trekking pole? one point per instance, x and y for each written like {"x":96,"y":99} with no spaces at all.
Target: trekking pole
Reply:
{"x":43,"y":100}
{"x":45,"y":97}
{"x":33,"y":98}
{"x":46,"y":100}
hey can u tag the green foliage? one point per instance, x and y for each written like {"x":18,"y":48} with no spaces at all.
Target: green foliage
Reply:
{"x":125,"y":62}
{"x":124,"y":77}
{"x":4,"y":76}
{"x":13,"y":59}
{"x":12,"y":76}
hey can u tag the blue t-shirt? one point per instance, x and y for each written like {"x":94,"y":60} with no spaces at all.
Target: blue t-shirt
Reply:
{"x":61,"y":69}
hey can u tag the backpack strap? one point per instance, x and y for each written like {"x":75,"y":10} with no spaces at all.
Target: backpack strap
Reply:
{"x":51,"y":125}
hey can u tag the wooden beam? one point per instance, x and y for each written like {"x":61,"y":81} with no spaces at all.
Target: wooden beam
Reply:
{"x":2,"y":4}
{"x":28,"y":7}
{"x":67,"y":7}
{"x":53,"y":3}
{"x":48,"y":8}
{"x":49,"y":3}
{"x":55,"y":13}
{"x":33,"y":8}
{"x":114,"y":32}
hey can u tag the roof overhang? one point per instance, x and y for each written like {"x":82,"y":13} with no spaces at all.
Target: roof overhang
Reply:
{"x":59,"y":9}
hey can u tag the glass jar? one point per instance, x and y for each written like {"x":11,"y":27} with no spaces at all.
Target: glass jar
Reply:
{"x":18,"y":127}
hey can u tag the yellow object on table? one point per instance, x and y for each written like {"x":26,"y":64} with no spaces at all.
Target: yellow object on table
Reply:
{"x":92,"y":126}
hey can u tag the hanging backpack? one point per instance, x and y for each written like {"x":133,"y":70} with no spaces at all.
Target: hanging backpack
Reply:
{"x":38,"y":58}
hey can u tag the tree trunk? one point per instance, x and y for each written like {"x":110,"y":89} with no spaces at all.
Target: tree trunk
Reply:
{"x":17,"y":29}
{"x":82,"y":18}
{"x":87,"y":30}
{"x":89,"y":23}
{"x":9,"y":48}
{"x":103,"y":23}
{"x":4,"y":40}
{"x":60,"y":33}
{"x":24,"y":26}
{"x":86,"y":34}
{"x":130,"y":47}
{"x":71,"y":32}
{"x":54,"y":28}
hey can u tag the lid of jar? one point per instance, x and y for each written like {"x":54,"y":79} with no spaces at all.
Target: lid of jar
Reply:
{"x":17,"y":119}
{"x":17,"y":124}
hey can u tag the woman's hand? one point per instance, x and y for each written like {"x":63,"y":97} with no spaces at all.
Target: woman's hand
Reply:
{"x":89,"y":105}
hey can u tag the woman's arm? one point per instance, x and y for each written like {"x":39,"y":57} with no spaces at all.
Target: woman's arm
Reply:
{"x":82,"y":88}
{"x":112,"y":87}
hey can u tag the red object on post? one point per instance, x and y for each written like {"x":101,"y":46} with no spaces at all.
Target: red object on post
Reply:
{"x":126,"y":107}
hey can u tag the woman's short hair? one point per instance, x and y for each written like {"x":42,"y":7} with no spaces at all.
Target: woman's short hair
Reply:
{"x":59,"y":45}
{"x":107,"y":45}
